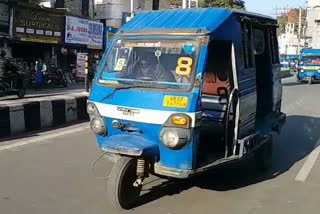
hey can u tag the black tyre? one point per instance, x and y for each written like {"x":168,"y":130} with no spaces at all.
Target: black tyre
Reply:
{"x":298,"y":78}
{"x":21,"y":92}
{"x":121,"y":192}
{"x":263,"y":155}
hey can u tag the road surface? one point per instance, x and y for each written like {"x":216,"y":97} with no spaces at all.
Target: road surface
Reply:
{"x":50,"y":173}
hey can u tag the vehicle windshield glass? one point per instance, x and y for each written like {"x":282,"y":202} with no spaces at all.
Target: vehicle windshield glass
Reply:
{"x":312,"y":59}
{"x":151,"y":63}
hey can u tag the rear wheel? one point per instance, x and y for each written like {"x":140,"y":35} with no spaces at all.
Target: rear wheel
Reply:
{"x":121,"y":192}
{"x":298,"y":78}
{"x":21,"y":92}
{"x":263,"y":155}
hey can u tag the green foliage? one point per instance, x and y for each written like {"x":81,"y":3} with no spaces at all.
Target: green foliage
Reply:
{"x":291,"y":16}
{"x":234,"y":4}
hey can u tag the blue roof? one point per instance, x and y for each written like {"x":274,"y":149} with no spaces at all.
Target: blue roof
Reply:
{"x":208,"y":18}
{"x":310,"y":51}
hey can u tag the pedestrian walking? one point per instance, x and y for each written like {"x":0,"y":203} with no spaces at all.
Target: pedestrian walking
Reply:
{"x":40,"y":68}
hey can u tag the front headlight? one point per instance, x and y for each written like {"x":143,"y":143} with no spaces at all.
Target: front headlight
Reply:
{"x":170,"y":138}
{"x":91,"y":108}
{"x":174,"y":138}
{"x":97,"y":126}
{"x":301,"y":70}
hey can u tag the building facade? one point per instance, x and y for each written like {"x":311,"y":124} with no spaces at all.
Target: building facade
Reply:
{"x":289,"y":41}
{"x":110,"y":12}
{"x":313,"y":23}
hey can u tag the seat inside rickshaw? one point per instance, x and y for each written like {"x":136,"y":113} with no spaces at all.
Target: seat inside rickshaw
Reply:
{"x":216,"y":87}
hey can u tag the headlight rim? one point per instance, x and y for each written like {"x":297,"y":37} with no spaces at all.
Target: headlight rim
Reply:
{"x":167,"y":132}
{"x":91,"y":111}
{"x":103,"y":128}
{"x":184,"y":137}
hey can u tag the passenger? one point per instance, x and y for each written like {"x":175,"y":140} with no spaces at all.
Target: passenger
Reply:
{"x":148,"y":69}
{"x":216,"y":78}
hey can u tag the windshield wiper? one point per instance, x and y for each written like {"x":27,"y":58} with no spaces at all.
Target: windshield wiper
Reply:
{"x":122,"y":88}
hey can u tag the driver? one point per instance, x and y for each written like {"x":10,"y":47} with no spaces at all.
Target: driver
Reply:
{"x":147,"y":68}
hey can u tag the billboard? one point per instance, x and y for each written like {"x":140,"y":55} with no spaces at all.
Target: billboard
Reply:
{"x":81,"y":65}
{"x":84,"y":32}
{"x":37,"y":25}
{"x":95,"y":35}
{"x":76,"y":31}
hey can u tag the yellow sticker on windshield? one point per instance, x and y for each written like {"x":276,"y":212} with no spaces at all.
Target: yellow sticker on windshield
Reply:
{"x":184,"y":66}
{"x":175,"y":101}
{"x":120,"y":64}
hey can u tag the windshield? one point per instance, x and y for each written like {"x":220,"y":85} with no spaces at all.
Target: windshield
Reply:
{"x":311,"y":60}
{"x":153,"y":63}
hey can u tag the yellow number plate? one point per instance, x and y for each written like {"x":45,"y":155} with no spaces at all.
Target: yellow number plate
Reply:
{"x":310,"y":68}
{"x":175,"y":101}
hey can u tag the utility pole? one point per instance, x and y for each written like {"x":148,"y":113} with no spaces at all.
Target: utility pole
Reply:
{"x":131,"y":8}
{"x":184,"y":4}
{"x":93,"y":8}
{"x":299,"y":30}
{"x":156,"y":5}
{"x":189,"y":3}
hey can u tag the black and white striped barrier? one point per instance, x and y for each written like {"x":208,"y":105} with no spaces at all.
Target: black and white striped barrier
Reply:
{"x":34,"y":115}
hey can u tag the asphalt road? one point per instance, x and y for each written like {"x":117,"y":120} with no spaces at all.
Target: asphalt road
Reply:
{"x":50,"y":173}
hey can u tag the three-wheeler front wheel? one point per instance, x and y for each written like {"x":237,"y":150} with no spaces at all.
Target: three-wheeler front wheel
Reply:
{"x":121,"y":191}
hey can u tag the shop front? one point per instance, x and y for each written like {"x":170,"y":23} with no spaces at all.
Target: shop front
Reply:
{"x":82,"y":38}
{"x":37,"y":33}
{"x":4,"y":27}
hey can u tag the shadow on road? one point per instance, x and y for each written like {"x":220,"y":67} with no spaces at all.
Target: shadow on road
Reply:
{"x":297,"y":140}
{"x":292,"y":83}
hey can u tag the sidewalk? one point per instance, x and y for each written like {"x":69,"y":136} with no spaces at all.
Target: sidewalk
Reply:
{"x":42,"y":109}
{"x":31,"y":93}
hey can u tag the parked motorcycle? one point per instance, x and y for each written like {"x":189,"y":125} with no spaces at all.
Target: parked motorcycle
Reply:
{"x":12,"y":84}
{"x":54,"y":79}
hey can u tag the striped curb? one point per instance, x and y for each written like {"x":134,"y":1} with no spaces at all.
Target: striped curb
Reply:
{"x":34,"y":115}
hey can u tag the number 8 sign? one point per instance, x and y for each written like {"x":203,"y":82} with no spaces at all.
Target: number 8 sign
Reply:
{"x":184,"y":66}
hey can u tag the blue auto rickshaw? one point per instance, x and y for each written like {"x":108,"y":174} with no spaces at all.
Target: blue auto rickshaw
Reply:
{"x":309,"y":65}
{"x":182,"y":91}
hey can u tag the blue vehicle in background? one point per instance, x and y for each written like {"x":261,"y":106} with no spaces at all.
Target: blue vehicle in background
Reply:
{"x":180,"y":92}
{"x":284,"y":61}
{"x":288,"y":61}
{"x":309,"y":65}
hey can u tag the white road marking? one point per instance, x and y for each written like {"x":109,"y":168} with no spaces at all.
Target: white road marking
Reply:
{"x":42,"y":137}
{"x":308,"y":165}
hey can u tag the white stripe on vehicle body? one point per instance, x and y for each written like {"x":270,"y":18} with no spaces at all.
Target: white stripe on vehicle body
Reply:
{"x":140,"y":114}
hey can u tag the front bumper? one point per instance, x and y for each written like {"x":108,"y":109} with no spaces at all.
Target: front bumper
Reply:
{"x":309,"y":73}
{"x":131,"y":145}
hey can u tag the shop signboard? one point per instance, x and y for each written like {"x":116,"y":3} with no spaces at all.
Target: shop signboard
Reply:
{"x":84,"y":32}
{"x":76,"y":31}
{"x":37,"y":25}
{"x":95,"y":35}
{"x":82,"y":58}
{"x":4,"y":13}
{"x":109,"y":33}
